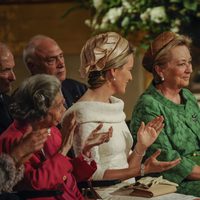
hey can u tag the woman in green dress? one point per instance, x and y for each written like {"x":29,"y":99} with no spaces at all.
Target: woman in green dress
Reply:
{"x":169,"y":60}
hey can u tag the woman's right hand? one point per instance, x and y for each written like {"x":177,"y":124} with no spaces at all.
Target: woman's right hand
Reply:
{"x":152,"y":165}
{"x":29,"y":143}
{"x":69,"y":125}
{"x":148,"y":133}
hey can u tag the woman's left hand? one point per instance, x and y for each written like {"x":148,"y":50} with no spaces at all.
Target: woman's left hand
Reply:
{"x":152,"y":165}
{"x":147,"y":134}
{"x":96,"y":138}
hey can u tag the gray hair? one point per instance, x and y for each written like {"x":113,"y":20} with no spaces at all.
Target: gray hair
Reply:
{"x":34,"y":97}
{"x":29,"y":55}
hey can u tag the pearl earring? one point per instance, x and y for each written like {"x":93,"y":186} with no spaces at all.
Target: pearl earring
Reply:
{"x":114,"y":79}
{"x":162,"y":78}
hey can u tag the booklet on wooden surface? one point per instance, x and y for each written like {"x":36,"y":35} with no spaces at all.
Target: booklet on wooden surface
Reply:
{"x":153,"y":186}
{"x":153,"y":191}
{"x":148,"y":187}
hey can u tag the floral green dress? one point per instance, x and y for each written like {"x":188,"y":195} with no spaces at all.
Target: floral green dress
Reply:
{"x":180,"y":136}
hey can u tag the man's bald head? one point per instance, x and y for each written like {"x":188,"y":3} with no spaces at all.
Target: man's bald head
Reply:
{"x":43,"y":55}
{"x":7,"y":64}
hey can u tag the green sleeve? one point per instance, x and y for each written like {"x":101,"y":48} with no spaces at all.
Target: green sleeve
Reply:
{"x":145,"y":111}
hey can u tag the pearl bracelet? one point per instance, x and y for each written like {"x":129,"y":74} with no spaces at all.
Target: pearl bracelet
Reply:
{"x":142,"y":170}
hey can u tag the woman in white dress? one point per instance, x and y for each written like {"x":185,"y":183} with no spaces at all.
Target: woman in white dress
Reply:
{"x":106,"y":61}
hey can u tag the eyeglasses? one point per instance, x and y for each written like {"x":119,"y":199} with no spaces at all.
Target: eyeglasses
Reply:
{"x":54,"y":59}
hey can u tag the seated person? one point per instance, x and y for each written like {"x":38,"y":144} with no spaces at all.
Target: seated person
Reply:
{"x":38,"y":104}
{"x":11,"y":165}
{"x":7,"y":76}
{"x":169,"y":60}
{"x":43,"y":55}
{"x":106,"y":61}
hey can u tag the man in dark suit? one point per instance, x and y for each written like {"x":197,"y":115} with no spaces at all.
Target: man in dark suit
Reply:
{"x":7,"y":76}
{"x":43,"y":55}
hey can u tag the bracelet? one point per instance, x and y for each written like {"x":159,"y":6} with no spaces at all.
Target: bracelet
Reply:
{"x":138,"y":154}
{"x":142,"y":170}
{"x":87,"y":159}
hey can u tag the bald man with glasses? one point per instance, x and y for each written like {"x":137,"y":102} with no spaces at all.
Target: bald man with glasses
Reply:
{"x":43,"y":55}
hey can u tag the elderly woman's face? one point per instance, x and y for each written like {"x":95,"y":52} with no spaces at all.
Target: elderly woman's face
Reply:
{"x":56,"y":111}
{"x":178,"y":70}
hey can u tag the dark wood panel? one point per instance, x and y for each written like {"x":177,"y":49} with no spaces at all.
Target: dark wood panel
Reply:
{"x":32,"y":1}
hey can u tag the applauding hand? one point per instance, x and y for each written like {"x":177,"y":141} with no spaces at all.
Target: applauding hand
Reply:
{"x":97,"y":138}
{"x":29,"y":143}
{"x":69,"y":125}
{"x":152,"y":165}
{"x":146,"y":135}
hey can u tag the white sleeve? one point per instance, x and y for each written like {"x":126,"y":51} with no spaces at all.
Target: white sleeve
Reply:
{"x":82,"y":132}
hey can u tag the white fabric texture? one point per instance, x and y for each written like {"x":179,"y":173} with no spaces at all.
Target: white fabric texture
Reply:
{"x":111,"y":155}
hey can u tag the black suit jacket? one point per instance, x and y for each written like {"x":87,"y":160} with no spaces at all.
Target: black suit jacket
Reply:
{"x":72,"y":90}
{"x":5,"y":117}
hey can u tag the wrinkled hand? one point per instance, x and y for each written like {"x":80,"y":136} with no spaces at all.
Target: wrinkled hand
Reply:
{"x":96,"y":138}
{"x":152,"y":165}
{"x":29,"y":143}
{"x":146,"y":135}
{"x":68,"y":129}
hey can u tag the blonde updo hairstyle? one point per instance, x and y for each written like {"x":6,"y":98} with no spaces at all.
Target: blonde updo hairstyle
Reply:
{"x":158,"y":53}
{"x":102,"y":53}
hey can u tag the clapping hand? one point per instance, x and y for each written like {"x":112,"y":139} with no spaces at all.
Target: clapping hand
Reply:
{"x":152,"y":165}
{"x":69,"y":125}
{"x":147,"y":134}
{"x":96,"y":138}
{"x":29,"y":143}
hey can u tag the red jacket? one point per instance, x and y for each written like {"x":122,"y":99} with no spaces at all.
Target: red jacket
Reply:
{"x":52,"y":171}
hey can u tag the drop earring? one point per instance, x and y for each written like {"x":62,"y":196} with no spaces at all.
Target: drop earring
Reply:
{"x":162,"y":78}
